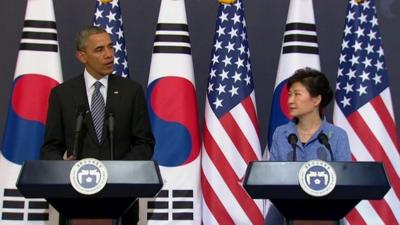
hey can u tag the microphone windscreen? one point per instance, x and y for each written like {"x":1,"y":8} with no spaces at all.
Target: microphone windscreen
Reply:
{"x":109,"y":112}
{"x":80,"y":110}
{"x":292,"y":139}
{"x":323,"y":139}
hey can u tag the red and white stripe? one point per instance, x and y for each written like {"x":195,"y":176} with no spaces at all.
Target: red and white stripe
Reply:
{"x":373,"y":137}
{"x":229,"y":144}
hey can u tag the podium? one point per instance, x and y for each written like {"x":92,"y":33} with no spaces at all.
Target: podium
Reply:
{"x":278,"y":181}
{"x":127,"y":180}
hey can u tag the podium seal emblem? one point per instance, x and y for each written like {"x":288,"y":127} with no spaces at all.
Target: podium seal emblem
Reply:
{"x":317,"y":178}
{"x":88,"y":176}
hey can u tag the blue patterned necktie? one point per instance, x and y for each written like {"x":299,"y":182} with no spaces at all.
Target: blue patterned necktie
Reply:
{"x":98,"y":108}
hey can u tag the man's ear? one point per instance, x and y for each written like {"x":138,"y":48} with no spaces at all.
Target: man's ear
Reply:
{"x":81,"y":56}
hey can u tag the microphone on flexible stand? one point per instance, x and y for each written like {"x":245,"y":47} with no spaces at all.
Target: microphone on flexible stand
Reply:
{"x":292,"y":139}
{"x":323,"y":139}
{"x":111,"y":124}
{"x":80,"y":115}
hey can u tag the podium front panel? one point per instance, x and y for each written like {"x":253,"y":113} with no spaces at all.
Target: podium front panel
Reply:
{"x":265,"y":179}
{"x":50,"y":179}
{"x":127,"y":181}
{"x":279,"y":182}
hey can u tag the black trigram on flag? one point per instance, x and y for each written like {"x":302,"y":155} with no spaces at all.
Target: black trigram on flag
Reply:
{"x":16,"y":207}
{"x":39,"y":35}
{"x":171,"y":205}
{"x":172,"y":38}
{"x":300,"y":38}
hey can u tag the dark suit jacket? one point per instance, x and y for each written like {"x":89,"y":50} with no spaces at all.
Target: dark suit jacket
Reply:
{"x":132,"y":136}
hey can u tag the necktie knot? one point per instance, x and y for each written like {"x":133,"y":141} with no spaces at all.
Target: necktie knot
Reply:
{"x":97,"y":85}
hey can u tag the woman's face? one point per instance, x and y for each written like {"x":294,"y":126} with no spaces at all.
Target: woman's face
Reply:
{"x":300,"y":102}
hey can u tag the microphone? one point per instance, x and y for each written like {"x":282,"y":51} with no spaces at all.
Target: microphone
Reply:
{"x":292,"y":139}
{"x":111,"y":124}
{"x":323,"y":139}
{"x":289,"y":156}
{"x":80,"y":114}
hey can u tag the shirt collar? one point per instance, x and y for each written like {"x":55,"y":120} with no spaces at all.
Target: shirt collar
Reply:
{"x":323,"y":128}
{"x":90,"y":80}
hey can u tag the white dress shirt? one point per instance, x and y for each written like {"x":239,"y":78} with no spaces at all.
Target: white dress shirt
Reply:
{"x":89,"y":84}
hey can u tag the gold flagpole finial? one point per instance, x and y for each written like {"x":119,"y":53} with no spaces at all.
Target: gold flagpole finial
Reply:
{"x":106,"y":1}
{"x":360,"y":1}
{"x":226,"y":1}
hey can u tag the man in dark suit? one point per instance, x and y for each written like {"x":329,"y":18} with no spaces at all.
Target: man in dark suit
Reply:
{"x":96,"y":94}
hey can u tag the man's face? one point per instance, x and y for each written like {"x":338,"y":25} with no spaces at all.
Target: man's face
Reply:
{"x":98,"y":55}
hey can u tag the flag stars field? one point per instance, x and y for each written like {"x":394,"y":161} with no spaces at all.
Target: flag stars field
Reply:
{"x":231,"y":53}
{"x":108,"y":16}
{"x":364,"y":59}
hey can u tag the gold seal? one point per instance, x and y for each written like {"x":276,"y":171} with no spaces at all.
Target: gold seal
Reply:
{"x":226,"y":1}
{"x":105,"y":1}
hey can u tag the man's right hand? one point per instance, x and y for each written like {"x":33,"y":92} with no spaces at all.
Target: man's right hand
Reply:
{"x":71,"y":157}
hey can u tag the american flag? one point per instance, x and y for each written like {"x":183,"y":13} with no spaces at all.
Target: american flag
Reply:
{"x":108,"y":16}
{"x":230,"y":133}
{"x":363,"y":108}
